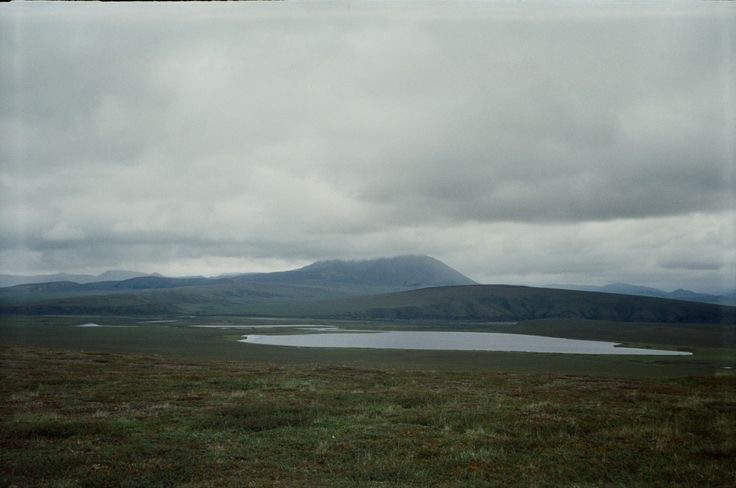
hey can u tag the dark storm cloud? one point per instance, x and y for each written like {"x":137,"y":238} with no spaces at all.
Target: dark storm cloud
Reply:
{"x":151,"y":136}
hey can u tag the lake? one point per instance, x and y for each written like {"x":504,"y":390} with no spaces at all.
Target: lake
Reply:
{"x":454,"y":341}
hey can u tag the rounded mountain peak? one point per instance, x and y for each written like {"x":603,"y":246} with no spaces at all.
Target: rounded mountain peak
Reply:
{"x":409,"y":271}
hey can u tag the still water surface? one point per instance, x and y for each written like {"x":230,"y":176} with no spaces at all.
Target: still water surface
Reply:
{"x":455,"y":341}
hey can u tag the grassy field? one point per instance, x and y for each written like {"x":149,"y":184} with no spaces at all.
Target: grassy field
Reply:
{"x":712,"y":345}
{"x":109,"y":419}
{"x":160,"y":404}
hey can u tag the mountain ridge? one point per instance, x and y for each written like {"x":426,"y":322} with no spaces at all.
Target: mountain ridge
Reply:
{"x":7,"y":280}
{"x":407,"y":271}
{"x":403,"y":287}
{"x":647,"y":291}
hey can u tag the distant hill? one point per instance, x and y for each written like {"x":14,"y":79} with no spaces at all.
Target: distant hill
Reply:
{"x":646,"y":291}
{"x":111,"y":275}
{"x":492,"y":303}
{"x":517,"y":303}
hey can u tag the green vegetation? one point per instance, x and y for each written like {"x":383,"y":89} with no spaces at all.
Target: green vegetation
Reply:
{"x":713,"y":345}
{"x":107,"y":419}
{"x":153,"y":401}
{"x":504,"y":302}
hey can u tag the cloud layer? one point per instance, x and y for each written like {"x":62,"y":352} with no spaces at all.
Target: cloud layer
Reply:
{"x":518,"y":145}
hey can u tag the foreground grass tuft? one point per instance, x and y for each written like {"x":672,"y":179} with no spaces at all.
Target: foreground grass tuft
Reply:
{"x":100,"y":419}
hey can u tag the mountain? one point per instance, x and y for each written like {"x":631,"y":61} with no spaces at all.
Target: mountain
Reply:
{"x":320,"y":280}
{"x":724,"y":299}
{"x":403,"y":287}
{"x":400,"y":271}
{"x":111,"y":275}
{"x":119,"y":275}
{"x":646,"y":291}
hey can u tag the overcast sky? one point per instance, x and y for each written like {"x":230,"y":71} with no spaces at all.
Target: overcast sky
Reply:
{"x":528,"y":144}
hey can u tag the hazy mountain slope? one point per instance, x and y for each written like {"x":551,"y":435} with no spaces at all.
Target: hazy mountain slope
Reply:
{"x":111,"y":275}
{"x":39,"y":292}
{"x":399,"y":271}
{"x":342,"y":277}
{"x":725,"y":299}
{"x":646,"y":291}
{"x":321,"y":280}
{"x":14,"y":280}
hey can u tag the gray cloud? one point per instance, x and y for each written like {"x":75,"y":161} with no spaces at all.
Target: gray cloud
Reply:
{"x":517,"y":145}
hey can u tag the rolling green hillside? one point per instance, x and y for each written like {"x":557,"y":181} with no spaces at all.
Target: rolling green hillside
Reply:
{"x":214,"y":299}
{"x":466,"y":303}
{"x":512,"y":303}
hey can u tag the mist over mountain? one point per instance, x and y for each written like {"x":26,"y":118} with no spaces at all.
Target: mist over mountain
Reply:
{"x":353,"y":276}
{"x":334,"y":278}
{"x":410,"y":271}
{"x":110,"y":275}
{"x":646,"y":291}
